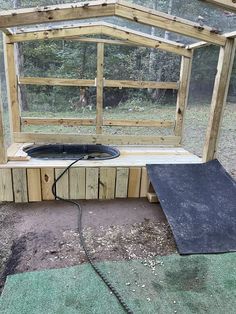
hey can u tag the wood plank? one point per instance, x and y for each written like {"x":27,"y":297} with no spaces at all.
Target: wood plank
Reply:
{"x":107,"y":182}
{"x":100,"y":74}
{"x":34,"y":185}
{"x":6,"y":186}
{"x":230,"y":34}
{"x":144,"y":183}
{"x":20,"y":185}
{"x":3,"y":151}
{"x":47,"y":179}
{"x":182,"y":97}
{"x":106,"y":122}
{"x":96,"y":139}
{"x":104,"y":41}
{"x":58,"y":12}
{"x":140,"y":84}
{"x":224,"y":4}
{"x":12,"y":88}
{"x":92,"y":183}
{"x":122,"y":179}
{"x":168,"y":22}
{"x":152,"y":198}
{"x":62,"y":186}
{"x":220,"y":92}
{"x":54,"y":81}
{"x":134,"y":182}
{"x":198,"y":45}
{"x":122,"y":33}
{"x":140,"y":123}
{"x":144,"y":39}
{"x":57,"y":121}
{"x":77,"y":183}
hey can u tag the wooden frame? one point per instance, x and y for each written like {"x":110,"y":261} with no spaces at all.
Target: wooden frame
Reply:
{"x":3,"y":151}
{"x":66,"y":12}
{"x":225,"y":4}
{"x":224,"y":68}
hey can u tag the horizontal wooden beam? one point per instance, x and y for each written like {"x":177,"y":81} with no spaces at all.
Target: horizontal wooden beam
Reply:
{"x":123,"y":33}
{"x":103,"y":41}
{"x":106,"y":122}
{"x":54,"y":81}
{"x":107,"y":83}
{"x":198,"y":45}
{"x":224,"y":4}
{"x":168,"y":22}
{"x":140,"y":84}
{"x":20,"y":137}
{"x":230,"y":34}
{"x":56,"y":13}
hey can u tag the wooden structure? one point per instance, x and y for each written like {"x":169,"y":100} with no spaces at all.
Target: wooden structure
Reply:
{"x":23,"y":179}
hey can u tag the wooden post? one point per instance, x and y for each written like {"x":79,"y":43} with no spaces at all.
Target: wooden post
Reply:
{"x":12,"y":88}
{"x":182,"y":98}
{"x":220,"y":92}
{"x":3,"y":153}
{"x":100,"y":61}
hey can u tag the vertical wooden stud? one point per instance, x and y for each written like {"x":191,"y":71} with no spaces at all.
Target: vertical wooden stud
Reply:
{"x":122,"y":179}
{"x":34,"y":185}
{"x":182,"y":97}
{"x":62,"y":186}
{"x":100,"y":73}
{"x":12,"y":88}
{"x":47,"y":179}
{"x":20,"y":185}
{"x":77,"y":183}
{"x":134,"y":182}
{"x":144,"y":183}
{"x":107,"y":183}
{"x":6,"y":187}
{"x":92,"y":183}
{"x":3,"y":151}
{"x":220,"y":92}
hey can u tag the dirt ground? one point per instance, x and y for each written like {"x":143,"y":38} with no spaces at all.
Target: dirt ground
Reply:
{"x":44,"y":235}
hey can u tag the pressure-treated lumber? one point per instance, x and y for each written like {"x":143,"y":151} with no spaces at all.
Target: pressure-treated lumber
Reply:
{"x":96,"y":139}
{"x":62,"y":186}
{"x":92,"y":183}
{"x":77,"y":183}
{"x":106,"y":122}
{"x":224,"y":69}
{"x":6,"y":187}
{"x":144,"y":182}
{"x":102,"y":28}
{"x":47,"y":179}
{"x":225,"y":4}
{"x":11,"y":80}
{"x":134,"y":182}
{"x":3,"y":151}
{"x":34,"y":185}
{"x":107,"y":181}
{"x":168,"y":22}
{"x":100,"y":74}
{"x":55,"y":13}
{"x":140,"y":84}
{"x":54,"y":81}
{"x":20,"y":185}
{"x":107,"y":83}
{"x":198,"y":45}
{"x":230,"y":34}
{"x":122,"y":179}
{"x":122,"y":9}
{"x":182,"y":97}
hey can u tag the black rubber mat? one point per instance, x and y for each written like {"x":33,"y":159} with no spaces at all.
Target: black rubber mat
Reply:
{"x":199,"y":201}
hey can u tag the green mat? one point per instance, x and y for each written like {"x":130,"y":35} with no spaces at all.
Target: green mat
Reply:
{"x":189,"y":284}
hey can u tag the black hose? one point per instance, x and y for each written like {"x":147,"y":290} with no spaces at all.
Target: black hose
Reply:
{"x":83,"y":244}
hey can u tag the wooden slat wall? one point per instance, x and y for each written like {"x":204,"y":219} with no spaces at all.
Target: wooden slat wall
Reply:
{"x":105,"y":183}
{"x":20,"y":185}
{"x":6,"y":188}
{"x":34,"y":185}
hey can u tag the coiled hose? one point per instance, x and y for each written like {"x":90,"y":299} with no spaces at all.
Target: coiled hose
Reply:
{"x":82,"y":240}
